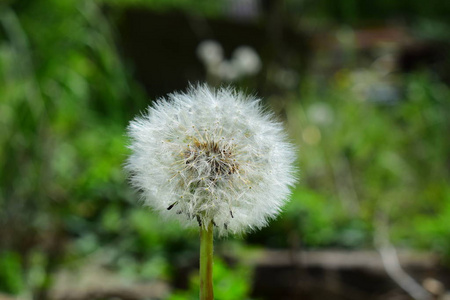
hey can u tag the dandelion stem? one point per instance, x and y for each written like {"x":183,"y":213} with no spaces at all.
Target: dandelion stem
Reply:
{"x":206,"y":262}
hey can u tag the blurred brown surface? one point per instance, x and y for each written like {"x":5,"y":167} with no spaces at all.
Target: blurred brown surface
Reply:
{"x":311,"y":275}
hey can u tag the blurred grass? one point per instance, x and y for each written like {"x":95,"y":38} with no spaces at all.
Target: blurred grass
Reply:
{"x":67,"y":96}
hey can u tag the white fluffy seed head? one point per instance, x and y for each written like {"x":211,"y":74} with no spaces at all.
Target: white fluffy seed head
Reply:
{"x":211,"y":156}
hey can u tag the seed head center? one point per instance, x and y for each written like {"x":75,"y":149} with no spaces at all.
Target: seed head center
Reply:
{"x":210,"y":160}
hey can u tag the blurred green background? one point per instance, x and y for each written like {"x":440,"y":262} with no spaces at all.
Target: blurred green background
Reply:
{"x":362,"y":87}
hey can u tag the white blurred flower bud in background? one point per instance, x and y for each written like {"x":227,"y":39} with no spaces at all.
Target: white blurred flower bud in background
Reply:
{"x":244,"y":62}
{"x":210,"y":52}
{"x":320,"y":113}
{"x":227,"y":71}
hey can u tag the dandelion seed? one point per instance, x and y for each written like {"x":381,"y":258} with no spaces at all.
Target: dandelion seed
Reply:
{"x":171,"y":206}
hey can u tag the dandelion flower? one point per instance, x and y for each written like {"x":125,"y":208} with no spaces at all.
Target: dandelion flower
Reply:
{"x":211,"y":156}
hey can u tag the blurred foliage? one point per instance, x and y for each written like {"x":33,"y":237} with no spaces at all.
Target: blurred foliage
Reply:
{"x":387,"y":159}
{"x":203,"y":7}
{"x":229,"y":283}
{"x":66,"y":99}
{"x":366,"y":12}
{"x":10,"y":279}
{"x":362,"y":161}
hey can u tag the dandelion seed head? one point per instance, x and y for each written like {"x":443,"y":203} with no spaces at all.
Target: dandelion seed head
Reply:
{"x":214,"y":155}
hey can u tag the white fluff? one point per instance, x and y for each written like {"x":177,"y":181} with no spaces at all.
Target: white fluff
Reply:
{"x":211,"y":155}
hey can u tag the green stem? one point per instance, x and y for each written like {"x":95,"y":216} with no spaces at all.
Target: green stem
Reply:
{"x":206,"y":262}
